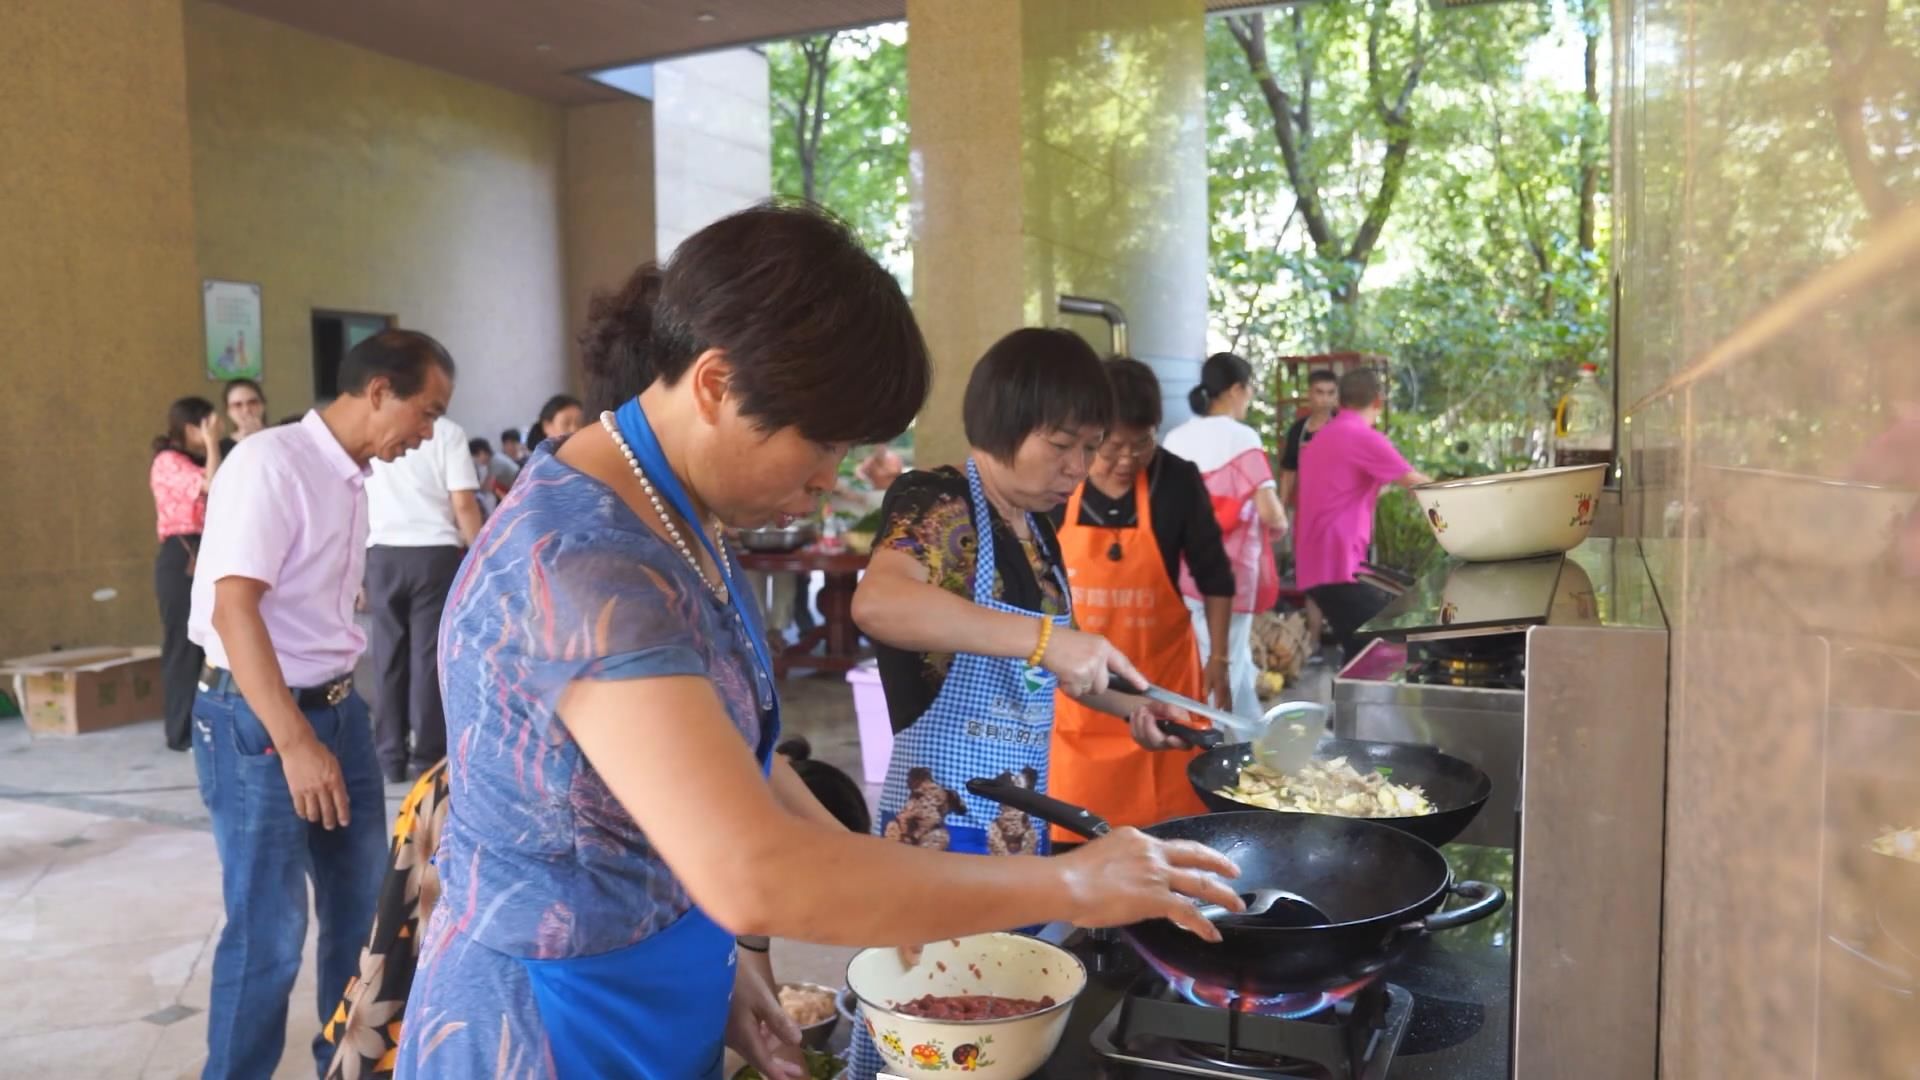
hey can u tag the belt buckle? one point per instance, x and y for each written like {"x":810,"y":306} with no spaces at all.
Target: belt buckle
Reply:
{"x":338,"y":690}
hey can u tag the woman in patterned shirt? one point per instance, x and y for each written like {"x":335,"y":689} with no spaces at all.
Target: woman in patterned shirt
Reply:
{"x":183,"y":463}
{"x":969,"y":601}
{"x":617,"y":818}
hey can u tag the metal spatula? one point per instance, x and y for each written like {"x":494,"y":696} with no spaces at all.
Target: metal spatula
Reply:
{"x":1291,"y":735}
{"x":1273,"y":906}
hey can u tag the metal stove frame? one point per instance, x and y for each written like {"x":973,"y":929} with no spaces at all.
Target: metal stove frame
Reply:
{"x":1578,"y":763}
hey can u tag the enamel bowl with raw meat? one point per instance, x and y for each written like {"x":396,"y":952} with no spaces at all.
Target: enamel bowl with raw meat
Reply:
{"x":1040,"y":979}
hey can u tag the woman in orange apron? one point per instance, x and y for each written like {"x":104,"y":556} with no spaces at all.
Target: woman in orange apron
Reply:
{"x":1124,"y":534}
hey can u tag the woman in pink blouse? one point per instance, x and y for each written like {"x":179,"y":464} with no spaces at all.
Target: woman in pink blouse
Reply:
{"x":183,"y":463}
{"x":1246,"y":503}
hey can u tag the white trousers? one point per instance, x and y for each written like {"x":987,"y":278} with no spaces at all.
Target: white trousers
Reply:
{"x":1242,"y":679}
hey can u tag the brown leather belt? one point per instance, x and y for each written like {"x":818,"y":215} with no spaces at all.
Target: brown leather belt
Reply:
{"x":325,"y":696}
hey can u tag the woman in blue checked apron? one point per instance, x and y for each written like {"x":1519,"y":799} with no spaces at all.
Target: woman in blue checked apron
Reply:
{"x":619,"y":838}
{"x":971,"y":609}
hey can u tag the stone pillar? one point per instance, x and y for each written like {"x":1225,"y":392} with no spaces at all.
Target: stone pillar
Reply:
{"x":713,"y":140}
{"x":99,"y":309}
{"x":1058,"y":149}
{"x":644,"y":174}
{"x":608,"y":203}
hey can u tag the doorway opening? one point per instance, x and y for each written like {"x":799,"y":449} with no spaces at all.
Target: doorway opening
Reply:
{"x":335,"y":332}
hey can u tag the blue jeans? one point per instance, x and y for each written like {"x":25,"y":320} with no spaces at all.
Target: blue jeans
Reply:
{"x":267,"y":853}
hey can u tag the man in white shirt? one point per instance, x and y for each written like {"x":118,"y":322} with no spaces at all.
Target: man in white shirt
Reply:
{"x":423,"y":512}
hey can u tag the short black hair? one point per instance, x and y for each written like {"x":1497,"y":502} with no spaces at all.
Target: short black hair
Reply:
{"x":182,"y":414}
{"x":1321,"y":375}
{"x":400,"y":356}
{"x":556,"y":405}
{"x":1034,"y":380}
{"x":818,"y":334}
{"x":1136,"y":393}
{"x":226,"y":392}
{"x":1222,"y":372}
{"x":479,"y":446}
{"x":1359,"y":388}
{"x":509,"y":435}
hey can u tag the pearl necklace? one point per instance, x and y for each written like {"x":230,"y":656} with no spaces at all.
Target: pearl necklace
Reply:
{"x":660,"y":508}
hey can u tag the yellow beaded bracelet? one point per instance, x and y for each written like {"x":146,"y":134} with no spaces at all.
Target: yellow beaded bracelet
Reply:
{"x":1040,"y":651}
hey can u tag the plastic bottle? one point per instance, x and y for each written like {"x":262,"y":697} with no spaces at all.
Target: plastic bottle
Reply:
{"x":1583,"y":423}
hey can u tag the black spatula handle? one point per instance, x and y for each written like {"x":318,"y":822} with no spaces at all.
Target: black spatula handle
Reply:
{"x":1204,"y":738}
{"x":1006,"y":791}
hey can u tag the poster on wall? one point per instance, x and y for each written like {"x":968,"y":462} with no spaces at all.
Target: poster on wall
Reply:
{"x":231,"y":310}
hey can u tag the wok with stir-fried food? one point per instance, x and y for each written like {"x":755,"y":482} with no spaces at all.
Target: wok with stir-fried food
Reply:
{"x":1329,"y":787}
{"x":1435,"y":796}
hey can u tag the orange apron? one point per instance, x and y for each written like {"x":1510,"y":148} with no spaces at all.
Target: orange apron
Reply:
{"x":1095,"y":762}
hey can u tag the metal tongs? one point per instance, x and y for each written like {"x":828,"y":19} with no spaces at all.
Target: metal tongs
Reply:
{"x":1289,"y":735}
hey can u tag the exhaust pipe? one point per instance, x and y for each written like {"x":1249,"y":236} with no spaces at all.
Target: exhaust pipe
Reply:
{"x":1103,"y":309}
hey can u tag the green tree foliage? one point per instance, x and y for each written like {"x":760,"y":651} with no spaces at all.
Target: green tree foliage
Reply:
{"x":839,"y":110}
{"x":1425,"y":185}
{"x":1441,"y":203}
{"x":1384,"y":176}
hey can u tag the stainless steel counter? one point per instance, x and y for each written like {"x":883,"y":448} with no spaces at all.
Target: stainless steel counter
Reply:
{"x":1578,"y":764}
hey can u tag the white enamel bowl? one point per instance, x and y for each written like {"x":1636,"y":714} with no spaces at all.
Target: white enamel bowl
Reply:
{"x":1007,"y":965}
{"x":1513,"y":515}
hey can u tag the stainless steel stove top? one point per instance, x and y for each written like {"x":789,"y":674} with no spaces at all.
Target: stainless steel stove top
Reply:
{"x":1458,"y":991}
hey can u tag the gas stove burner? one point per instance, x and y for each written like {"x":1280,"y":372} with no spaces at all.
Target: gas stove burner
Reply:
{"x":1483,"y":675}
{"x":1284,"y":1006}
{"x":1293,"y":1006}
{"x":1490,"y":648}
{"x":1155,"y":1027}
{"x":1492,"y":662}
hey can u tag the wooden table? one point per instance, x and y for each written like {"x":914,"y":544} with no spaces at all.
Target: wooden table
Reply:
{"x":834,"y":645}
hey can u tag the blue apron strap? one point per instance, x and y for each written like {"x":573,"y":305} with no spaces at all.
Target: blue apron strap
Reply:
{"x":646,"y":448}
{"x":982,"y":536}
{"x":983,"y":565}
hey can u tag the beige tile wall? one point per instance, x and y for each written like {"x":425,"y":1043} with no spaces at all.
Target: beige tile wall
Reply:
{"x":713,"y":140}
{"x":99,"y":309}
{"x":337,"y":177}
{"x":1769,"y":243}
{"x":608,"y":207}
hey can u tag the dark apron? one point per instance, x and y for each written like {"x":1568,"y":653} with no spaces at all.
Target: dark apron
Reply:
{"x":657,"y":1009}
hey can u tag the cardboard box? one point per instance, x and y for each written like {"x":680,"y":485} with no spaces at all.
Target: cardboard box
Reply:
{"x":81,"y":690}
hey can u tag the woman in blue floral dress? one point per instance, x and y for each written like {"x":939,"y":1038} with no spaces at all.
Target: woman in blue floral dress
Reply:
{"x":618,"y":819}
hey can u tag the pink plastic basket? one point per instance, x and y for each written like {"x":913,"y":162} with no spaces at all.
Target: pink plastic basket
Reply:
{"x":876,"y":727}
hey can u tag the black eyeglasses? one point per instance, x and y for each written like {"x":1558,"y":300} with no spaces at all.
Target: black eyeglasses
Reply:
{"x":1113,"y":449}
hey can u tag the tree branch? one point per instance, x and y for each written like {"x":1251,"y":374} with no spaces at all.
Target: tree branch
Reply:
{"x":1303,"y":58}
{"x":830,"y":171}
{"x":1848,"y":99}
{"x":1589,"y":122}
{"x":1246,"y":320}
{"x":1529,"y":215}
{"x":1250,"y":32}
{"x":817,"y":52}
{"x":1399,"y":144}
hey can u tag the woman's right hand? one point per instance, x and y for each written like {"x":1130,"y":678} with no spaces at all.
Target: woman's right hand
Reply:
{"x":1128,"y":877}
{"x":1081,"y":662}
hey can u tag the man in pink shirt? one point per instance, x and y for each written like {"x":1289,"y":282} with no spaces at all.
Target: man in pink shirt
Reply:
{"x":282,"y":743}
{"x":1341,"y":473}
